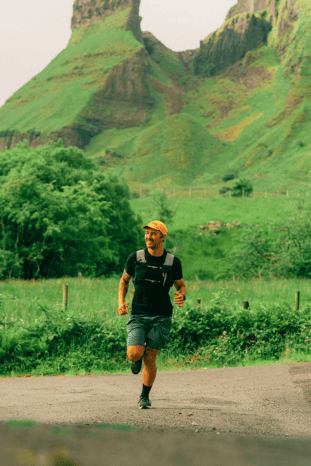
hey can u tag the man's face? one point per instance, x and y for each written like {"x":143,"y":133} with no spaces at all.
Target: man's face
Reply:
{"x":153,"y":238}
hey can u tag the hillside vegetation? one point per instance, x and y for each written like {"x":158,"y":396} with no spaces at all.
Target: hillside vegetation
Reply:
{"x":159,"y":117}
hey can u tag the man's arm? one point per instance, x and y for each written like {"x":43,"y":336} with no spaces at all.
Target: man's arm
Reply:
{"x":181,"y":290}
{"x":123,"y":289}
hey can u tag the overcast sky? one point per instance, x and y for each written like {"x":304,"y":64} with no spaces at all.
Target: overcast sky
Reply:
{"x":33,"y":32}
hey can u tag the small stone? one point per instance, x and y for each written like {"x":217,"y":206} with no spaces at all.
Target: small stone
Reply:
{"x":195,"y":423}
{"x":190,"y":414}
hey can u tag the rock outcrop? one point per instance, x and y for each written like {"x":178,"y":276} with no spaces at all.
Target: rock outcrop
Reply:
{"x":214,"y":226}
{"x":248,"y":6}
{"x":73,"y":135}
{"x":124,"y":100}
{"x":87,"y":12}
{"x":223,"y":48}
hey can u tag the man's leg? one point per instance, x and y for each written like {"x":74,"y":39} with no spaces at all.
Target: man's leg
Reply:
{"x":149,"y":375}
{"x":135,"y":353}
{"x":150,"y":369}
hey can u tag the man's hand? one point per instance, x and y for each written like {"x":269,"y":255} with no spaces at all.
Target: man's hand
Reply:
{"x":179,"y":298}
{"x":123,"y":309}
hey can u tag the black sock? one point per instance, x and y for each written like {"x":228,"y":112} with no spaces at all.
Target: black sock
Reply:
{"x":146,"y":390}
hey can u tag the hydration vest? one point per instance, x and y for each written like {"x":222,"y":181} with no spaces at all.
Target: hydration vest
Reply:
{"x":162,"y":274}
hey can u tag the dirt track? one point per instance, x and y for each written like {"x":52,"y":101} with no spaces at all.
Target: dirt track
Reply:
{"x":230,"y":416}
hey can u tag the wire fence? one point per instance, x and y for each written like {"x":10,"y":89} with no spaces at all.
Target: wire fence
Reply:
{"x":198,"y":193}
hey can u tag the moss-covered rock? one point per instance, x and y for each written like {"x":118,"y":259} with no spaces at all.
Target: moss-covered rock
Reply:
{"x":230,"y":43}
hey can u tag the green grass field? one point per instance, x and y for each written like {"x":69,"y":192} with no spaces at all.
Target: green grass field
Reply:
{"x":194,"y":212}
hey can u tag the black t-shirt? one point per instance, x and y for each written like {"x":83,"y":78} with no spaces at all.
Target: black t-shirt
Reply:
{"x":153,"y":300}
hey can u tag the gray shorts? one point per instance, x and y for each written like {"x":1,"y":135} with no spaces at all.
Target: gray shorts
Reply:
{"x":148,"y":331}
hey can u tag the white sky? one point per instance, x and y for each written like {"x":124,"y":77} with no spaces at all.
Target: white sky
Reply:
{"x":33,"y":32}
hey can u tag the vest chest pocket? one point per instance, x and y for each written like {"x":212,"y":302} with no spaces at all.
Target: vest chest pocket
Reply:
{"x":140,"y":273}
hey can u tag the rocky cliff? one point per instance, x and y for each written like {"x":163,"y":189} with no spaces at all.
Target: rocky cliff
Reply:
{"x":124,"y":101}
{"x":248,"y":6}
{"x":230,"y":43}
{"x":115,"y":70}
{"x":87,"y":12}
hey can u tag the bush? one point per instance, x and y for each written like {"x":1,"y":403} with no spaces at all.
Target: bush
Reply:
{"x":61,"y":215}
{"x":162,"y":210}
{"x":228,"y":177}
{"x":242,"y":186}
{"x":224,"y":190}
{"x":57,"y":341}
{"x":275,"y":250}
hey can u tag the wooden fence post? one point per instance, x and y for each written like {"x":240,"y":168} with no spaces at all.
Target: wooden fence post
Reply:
{"x":297,"y":300}
{"x":245,"y":305}
{"x":198,"y":301}
{"x":189,"y":192}
{"x":65,"y":297}
{"x":80,"y":277}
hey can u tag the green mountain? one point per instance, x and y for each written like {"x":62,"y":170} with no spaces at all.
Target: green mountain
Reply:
{"x":239,"y":104}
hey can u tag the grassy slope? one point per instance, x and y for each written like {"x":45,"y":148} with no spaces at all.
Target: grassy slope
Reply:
{"x":79,"y":70}
{"x":261,"y":133}
{"x":265,"y":129}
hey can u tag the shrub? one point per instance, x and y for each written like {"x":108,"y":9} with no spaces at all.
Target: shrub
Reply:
{"x":228,"y":177}
{"x":276,"y":249}
{"x":242,"y":186}
{"x":60,"y":214}
{"x":224,"y":190}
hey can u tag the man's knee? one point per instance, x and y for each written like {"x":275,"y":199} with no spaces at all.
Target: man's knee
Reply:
{"x":135,"y":353}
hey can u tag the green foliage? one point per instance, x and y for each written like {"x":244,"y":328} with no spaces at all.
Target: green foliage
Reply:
{"x":279,"y":249}
{"x":220,"y":333}
{"x":162,"y":211}
{"x":242,"y":188}
{"x":60,"y":214}
{"x":230,"y":335}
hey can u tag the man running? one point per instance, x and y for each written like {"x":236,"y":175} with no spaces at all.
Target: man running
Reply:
{"x":154,"y":272}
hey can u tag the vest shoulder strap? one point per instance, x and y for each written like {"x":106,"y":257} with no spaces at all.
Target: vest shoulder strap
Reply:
{"x":140,"y":256}
{"x":169,"y":259}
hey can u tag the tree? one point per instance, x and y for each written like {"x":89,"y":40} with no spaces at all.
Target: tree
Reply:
{"x":61,"y":215}
{"x":242,"y":186}
{"x":162,"y":210}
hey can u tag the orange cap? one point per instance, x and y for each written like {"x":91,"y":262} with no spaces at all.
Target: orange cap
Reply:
{"x":157,"y":225}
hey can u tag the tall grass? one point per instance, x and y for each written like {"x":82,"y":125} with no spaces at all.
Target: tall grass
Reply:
{"x":90,"y":337}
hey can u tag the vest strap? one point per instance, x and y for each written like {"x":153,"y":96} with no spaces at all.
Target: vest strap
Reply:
{"x":169,"y":259}
{"x":140,"y":256}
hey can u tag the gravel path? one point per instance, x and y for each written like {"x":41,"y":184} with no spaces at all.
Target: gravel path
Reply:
{"x":242,"y":414}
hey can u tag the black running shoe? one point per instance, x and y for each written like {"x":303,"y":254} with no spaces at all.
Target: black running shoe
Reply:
{"x":144,"y":402}
{"x":136,"y":366}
